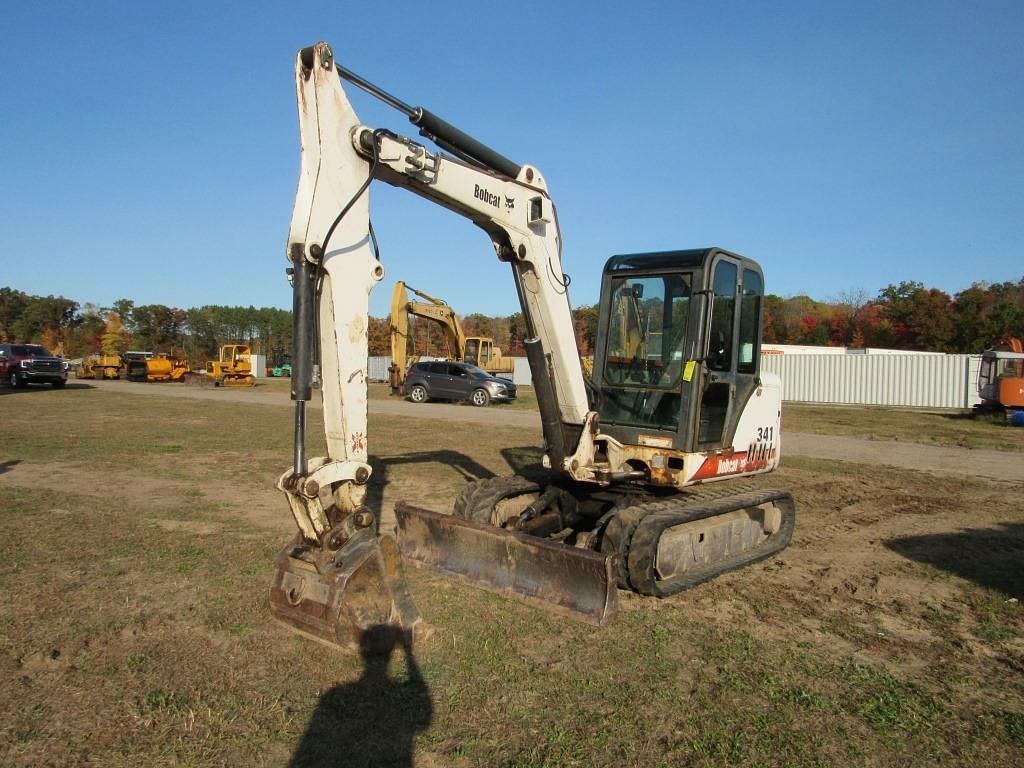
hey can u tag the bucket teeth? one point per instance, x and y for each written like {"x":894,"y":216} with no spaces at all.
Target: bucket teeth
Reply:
{"x":339,"y":597}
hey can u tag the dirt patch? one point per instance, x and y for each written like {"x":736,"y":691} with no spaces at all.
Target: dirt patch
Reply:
{"x":889,"y":633}
{"x":235,"y":502}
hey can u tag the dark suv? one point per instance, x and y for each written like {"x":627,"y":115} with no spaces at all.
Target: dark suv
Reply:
{"x":456,"y":381}
{"x":21,"y":364}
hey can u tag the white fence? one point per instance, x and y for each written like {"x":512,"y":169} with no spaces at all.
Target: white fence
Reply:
{"x":378,"y":370}
{"x":918,"y":381}
{"x":913,"y":380}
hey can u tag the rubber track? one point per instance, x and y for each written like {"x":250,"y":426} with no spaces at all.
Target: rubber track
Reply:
{"x":620,"y":530}
{"x":641,"y":546}
{"x":479,"y":498}
{"x":641,"y":524}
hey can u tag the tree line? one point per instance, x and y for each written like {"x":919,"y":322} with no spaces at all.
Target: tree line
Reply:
{"x":73,"y":330}
{"x":905,"y":316}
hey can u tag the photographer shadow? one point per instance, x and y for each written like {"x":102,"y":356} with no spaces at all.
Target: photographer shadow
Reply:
{"x":373,"y":721}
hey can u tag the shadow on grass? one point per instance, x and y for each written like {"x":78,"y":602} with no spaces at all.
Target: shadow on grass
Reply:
{"x":373,"y":721}
{"x":959,"y":416}
{"x":25,"y":389}
{"x":5,"y":466}
{"x":465,"y":465}
{"x":523,"y":458}
{"x":990,"y":557}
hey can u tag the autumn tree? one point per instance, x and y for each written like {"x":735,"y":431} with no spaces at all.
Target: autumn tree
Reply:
{"x":922,"y":318}
{"x":113,"y":335}
{"x":585,"y":323}
{"x":774,"y":322}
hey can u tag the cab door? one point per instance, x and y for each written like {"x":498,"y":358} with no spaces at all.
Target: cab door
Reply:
{"x":732,"y":350}
{"x":485,"y":353}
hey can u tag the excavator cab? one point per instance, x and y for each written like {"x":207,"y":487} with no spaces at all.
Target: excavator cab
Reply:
{"x":478,"y":351}
{"x":1001,"y":376}
{"x":678,"y":347}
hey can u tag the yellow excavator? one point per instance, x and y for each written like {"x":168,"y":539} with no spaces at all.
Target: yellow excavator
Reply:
{"x":480,"y":351}
{"x":232,"y":369}
{"x":646,"y":467}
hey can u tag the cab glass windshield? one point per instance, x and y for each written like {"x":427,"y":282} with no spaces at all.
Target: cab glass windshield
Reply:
{"x":647,"y":330}
{"x":644,"y":354}
{"x":29,"y":350}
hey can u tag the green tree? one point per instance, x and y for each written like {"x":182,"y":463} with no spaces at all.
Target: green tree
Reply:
{"x":158,"y":327}
{"x":922,"y":318}
{"x":12,"y":306}
{"x":42,"y":313}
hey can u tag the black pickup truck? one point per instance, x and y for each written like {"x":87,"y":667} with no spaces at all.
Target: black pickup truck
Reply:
{"x":22,"y":364}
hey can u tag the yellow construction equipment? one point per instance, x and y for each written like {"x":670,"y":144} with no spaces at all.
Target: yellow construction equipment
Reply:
{"x":99,"y":366}
{"x":482,"y":352}
{"x":476,"y":350}
{"x":233,"y":369}
{"x":162,"y":367}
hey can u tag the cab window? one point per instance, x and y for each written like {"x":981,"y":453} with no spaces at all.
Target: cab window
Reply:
{"x":750,"y":315}
{"x":647,"y":330}
{"x":723,"y":312}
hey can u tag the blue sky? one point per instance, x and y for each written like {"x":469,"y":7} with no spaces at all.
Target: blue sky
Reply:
{"x":151,"y":151}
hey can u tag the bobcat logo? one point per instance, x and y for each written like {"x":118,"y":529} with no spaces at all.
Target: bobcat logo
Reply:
{"x":510,"y":203}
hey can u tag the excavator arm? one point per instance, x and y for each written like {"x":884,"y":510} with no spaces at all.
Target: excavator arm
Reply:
{"x":510,"y":202}
{"x":342,"y":574}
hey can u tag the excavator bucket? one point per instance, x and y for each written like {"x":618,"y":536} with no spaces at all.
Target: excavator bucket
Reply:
{"x":576,"y":583}
{"x":338,"y":596}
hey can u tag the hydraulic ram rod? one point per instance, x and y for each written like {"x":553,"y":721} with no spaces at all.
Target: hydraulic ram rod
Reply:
{"x":303,"y":348}
{"x":446,"y":135}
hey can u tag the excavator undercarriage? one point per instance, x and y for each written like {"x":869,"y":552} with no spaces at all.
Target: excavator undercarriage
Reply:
{"x":567,"y":548}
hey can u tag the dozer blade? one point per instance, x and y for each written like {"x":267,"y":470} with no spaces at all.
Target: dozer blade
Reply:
{"x":576,"y":583}
{"x":338,"y":597}
{"x":193,"y":379}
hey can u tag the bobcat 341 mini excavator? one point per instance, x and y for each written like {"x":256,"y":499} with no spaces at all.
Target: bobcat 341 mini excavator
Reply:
{"x":629,"y":496}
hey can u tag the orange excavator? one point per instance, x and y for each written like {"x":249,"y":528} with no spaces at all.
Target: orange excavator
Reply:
{"x":1001,"y":378}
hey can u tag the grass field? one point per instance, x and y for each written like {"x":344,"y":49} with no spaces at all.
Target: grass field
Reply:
{"x":945,"y":427}
{"x":138,"y":538}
